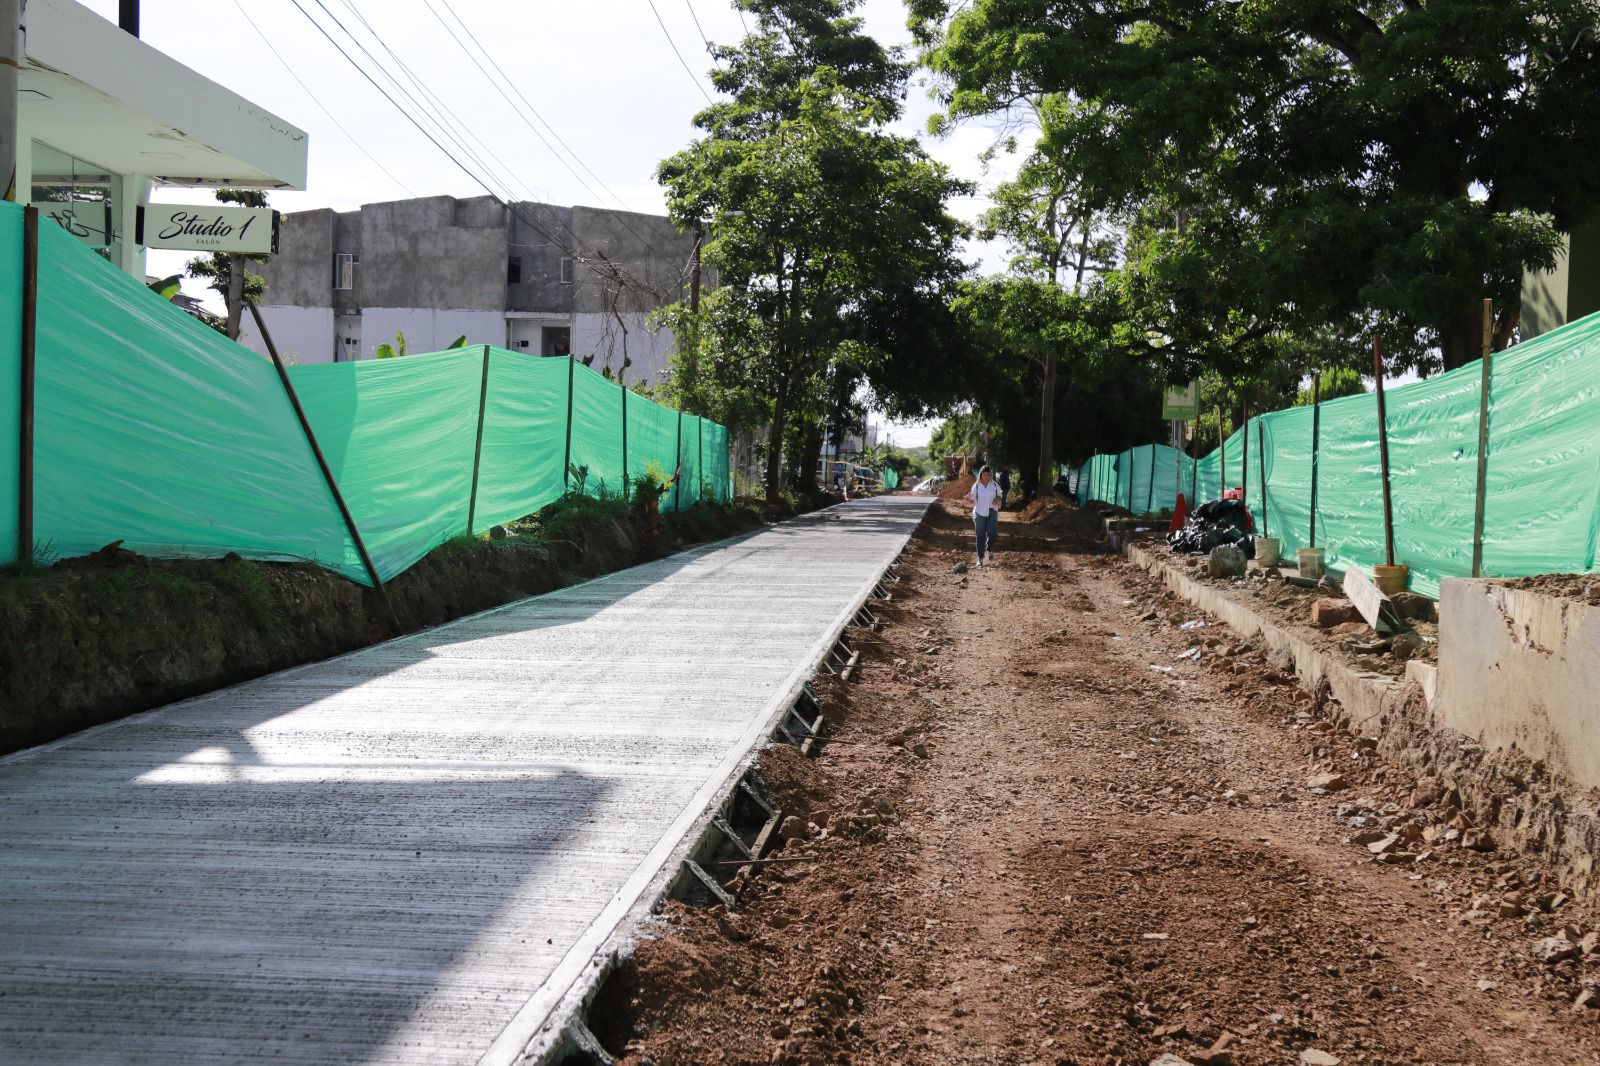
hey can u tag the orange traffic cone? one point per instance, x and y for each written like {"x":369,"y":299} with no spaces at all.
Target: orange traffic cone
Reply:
{"x":1180,"y":514}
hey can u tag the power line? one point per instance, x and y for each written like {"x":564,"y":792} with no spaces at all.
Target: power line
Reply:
{"x":674,"y":45}
{"x":588,"y":261}
{"x":532,"y":128}
{"x":337,"y":124}
{"x":701,"y":29}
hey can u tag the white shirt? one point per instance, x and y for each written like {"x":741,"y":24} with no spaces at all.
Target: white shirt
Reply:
{"x":983,"y":497}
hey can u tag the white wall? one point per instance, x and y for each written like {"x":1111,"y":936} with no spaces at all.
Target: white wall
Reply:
{"x":428,"y":330}
{"x":599,"y":335}
{"x":302,"y":334}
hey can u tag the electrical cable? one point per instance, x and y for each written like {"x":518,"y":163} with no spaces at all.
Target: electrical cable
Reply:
{"x":531,"y":127}
{"x":323,"y":107}
{"x":701,"y":29}
{"x":674,"y":45}
{"x":503,"y":198}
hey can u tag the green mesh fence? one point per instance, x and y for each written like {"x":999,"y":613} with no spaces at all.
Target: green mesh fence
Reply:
{"x":1542,"y":494}
{"x":154,"y":430}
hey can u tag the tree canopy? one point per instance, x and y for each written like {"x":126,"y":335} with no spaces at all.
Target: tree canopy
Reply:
{"x":1292,"y":166}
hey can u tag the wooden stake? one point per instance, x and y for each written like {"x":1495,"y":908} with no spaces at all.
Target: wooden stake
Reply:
{"x":1316,"y":443}
{"x":30,"y":320}
{"x":1483,"y":439}
{"x":1383,"y":451}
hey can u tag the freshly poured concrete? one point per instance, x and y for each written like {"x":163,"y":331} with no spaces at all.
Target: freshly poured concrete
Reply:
{"x":408,"y":854}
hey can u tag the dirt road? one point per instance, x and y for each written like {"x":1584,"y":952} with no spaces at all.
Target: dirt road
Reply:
{"x":1031,"y":846}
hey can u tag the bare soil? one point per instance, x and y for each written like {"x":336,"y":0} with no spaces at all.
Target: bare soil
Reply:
{"x":1031,"y":847}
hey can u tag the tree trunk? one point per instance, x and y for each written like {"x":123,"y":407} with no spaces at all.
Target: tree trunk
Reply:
{"x":807,"y":479}
{"x":775,"y":451}
{"x":1461,"y":337}
{"x":235,"y":294}
{"x":1047,"y":424}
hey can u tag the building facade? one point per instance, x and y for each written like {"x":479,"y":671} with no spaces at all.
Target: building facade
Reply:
{"x":102,"y":117}
{"x":1569,"y":292}
{"x":531,"y":277}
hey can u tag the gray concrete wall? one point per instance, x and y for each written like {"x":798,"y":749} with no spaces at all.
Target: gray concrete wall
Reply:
{"x":301,"y":274}
{"x":1518,"y":669}
{"x":650,"y":254}
{"x":612,"y":343}
{"x":301,"y":334}
{"x":429,"y":329}
{"x":541,"y":236}
{"x":434,"y":252}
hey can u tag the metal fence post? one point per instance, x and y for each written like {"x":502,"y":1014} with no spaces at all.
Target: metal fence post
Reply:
{"x":30,"y":323}
{"x":477,"y":451}
{"x":1316,"y":443}
{"x":1261,"y":463}
{"x":624,"y":389}
{"x":677,"y":468}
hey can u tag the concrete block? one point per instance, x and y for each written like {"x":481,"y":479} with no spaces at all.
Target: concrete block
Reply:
{"x":1518,"y":668}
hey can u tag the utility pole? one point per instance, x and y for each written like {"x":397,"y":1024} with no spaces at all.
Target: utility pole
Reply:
{"x":11,"y":58}
{"x":694,"y":274}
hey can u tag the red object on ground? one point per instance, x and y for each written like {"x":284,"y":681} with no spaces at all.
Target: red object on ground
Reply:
{"x":1180,"y":514}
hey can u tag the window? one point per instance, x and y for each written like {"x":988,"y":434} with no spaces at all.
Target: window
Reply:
{"x":344,"y":270}
{"x":514,"y":270}
{"x":522,"y":344}
{"x":555,"y":340}
{"x":566,"y":271}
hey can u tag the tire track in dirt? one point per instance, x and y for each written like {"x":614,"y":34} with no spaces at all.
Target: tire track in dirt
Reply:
{"x":1096,"y":862}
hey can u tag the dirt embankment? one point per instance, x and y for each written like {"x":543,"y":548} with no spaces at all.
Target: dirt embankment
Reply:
{"x":93,"y":639}
{"x":1028,"y":846}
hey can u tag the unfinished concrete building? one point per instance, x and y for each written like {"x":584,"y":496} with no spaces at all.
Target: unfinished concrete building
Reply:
{"x":532,"y":277}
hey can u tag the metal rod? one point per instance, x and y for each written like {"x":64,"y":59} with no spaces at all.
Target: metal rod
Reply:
{"x":1383,"y":450}
{"x":1483,"y":439}
{"x":624,"y":439}
{"x":566,"y":456}
{"x":763,"y":862}
{"x":700,"y":460}
{"x":1222,"y":457}
{"x":30,"y":324}
{"x":477,"y":451}
{"x":1316,"y":443}
{"x":322,"y":464}
{"x":1261,"y":462}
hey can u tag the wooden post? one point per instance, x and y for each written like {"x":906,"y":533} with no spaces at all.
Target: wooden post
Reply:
{"x":677,"y":467}
{"x":1383,"y":451}
{"x":1244,"y":460}
{"x":1261,"y":462}
{"x":624,"y":389}
{"x":1222,"y":457}
{"x":700,"y":460}
{"x":1316,"y":443}
{"x":566,"y":456}
{"x":477,"y":451}
{"x":1150,"y":496}
{"x":322,"y":464}
{"x":30,"y":332}
{"x":1483,"y":439}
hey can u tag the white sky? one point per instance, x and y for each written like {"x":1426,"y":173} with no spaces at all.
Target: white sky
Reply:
{"x":600,"y":72}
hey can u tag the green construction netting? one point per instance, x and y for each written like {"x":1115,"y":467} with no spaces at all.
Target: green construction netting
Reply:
{"x":154,"y":430}
{"x":891,"y":480}
{"x":1542,"y":493}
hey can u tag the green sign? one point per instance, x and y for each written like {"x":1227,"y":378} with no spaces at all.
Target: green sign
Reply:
{"x":1181,"y":404}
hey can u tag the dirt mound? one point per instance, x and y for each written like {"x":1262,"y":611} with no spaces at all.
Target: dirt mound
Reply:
{"x":1042,"y":507}
{"x":955,"y":490}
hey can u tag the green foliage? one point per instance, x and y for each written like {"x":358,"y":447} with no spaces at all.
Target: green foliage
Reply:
{"x":391,"y":351}
{"x":830,"y":234}
{"x":167,"y":287}
{"x":1335,"y":383}
{"x":1296,"y":166}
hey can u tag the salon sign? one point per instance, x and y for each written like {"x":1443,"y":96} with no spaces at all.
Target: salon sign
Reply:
{"x":209,"y":228}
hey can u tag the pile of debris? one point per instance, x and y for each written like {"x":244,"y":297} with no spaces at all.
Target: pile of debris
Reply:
{"x":1214,"y":524}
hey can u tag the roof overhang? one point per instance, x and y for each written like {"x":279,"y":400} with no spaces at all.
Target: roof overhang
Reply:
{"x":103,"y":95}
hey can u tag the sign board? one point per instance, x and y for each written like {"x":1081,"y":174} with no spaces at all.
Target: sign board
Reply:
{"x":209,"y":228}
{"x":87,"y":220}
{"x":1181,"y":404}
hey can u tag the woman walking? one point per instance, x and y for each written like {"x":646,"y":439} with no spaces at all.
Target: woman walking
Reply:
{"x":985,"y":497}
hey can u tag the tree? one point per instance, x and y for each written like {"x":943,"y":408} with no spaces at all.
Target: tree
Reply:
{"x":830,"y":232}
{"x":226,"y":270}
{"x":1368,"y":163}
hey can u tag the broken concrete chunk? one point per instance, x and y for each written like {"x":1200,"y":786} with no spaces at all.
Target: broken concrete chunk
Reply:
{"x":1327,"y":613}
{"x":1554,"y":949}
{"x":1313,"y":1057}
{"x":1225,"y":561}
{"x":1332,"y":781}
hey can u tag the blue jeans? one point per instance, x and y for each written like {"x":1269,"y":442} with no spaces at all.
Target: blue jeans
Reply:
{"x":988,"y":528}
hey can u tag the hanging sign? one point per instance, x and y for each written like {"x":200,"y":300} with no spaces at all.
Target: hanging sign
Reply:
{"x":1181,"y":404}
{"x":209,"y":228}
{"x":87,"y":220}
